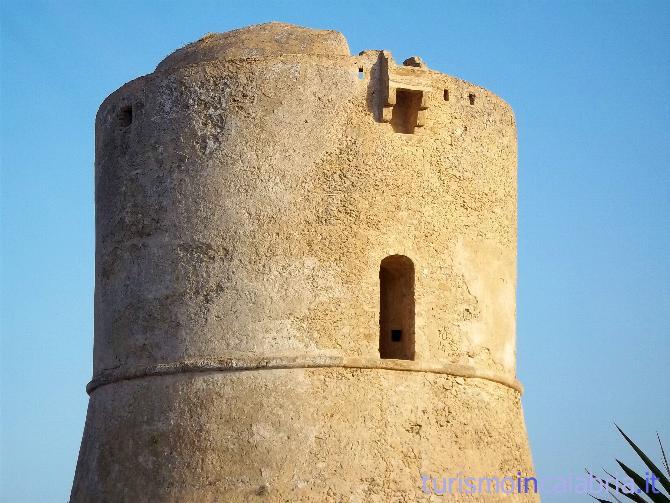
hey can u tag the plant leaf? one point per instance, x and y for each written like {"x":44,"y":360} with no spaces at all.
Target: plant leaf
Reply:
{"x":642,"y":484}
{"x":665,"y":460}
{"x":619,"y":481}
{"x":654,"y":469}
{"x":600,"y":500}
{"x":618,"y":500}
{"x":631,"y":496}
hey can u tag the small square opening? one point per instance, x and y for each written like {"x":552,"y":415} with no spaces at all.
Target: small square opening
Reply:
{"x":396,"y":335}
{"x":406,"y":110}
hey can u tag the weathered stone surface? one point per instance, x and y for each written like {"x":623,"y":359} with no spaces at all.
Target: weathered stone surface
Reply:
{"x":296,"y":435}
{"x":258,"y":41}
{"x":246,"y":195}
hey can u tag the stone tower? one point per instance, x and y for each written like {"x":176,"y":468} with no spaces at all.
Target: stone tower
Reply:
{"x":305,"y":278}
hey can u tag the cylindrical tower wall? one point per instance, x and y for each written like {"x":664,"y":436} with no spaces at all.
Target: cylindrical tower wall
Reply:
{"x":245,"y":202}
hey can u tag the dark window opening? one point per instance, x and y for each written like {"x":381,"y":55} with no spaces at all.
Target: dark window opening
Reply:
{"x":361,"y":73}
{"x":446,"y":95}
{"x":471,"y":97}
{"x":125,"y":116}
{"x":396,"y":308}
{"x":406,"y":110}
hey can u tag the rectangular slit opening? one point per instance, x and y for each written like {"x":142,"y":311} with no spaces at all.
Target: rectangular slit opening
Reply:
{"x":396,"y":308}
{"x":406,"y":110}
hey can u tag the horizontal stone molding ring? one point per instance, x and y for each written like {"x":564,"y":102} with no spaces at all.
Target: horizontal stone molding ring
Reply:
{"x":255,"y":362}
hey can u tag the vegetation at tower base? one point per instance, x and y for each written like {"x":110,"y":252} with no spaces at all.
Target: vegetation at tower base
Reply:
{"x":645,"y":488}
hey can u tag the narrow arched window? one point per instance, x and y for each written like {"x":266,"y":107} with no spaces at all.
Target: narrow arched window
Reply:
{"x":396,"y":308}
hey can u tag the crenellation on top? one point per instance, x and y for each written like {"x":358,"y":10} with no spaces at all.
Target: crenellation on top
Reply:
{"x":408,"y":96}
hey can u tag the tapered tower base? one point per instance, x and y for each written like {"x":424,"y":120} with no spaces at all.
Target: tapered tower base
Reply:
{"x":319,"y":434}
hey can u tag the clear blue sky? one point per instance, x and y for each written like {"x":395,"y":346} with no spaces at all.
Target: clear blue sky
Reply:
{"x":590,"y":84}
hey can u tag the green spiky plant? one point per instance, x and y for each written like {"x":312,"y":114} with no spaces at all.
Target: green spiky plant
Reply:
{"x":643,"y":493}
